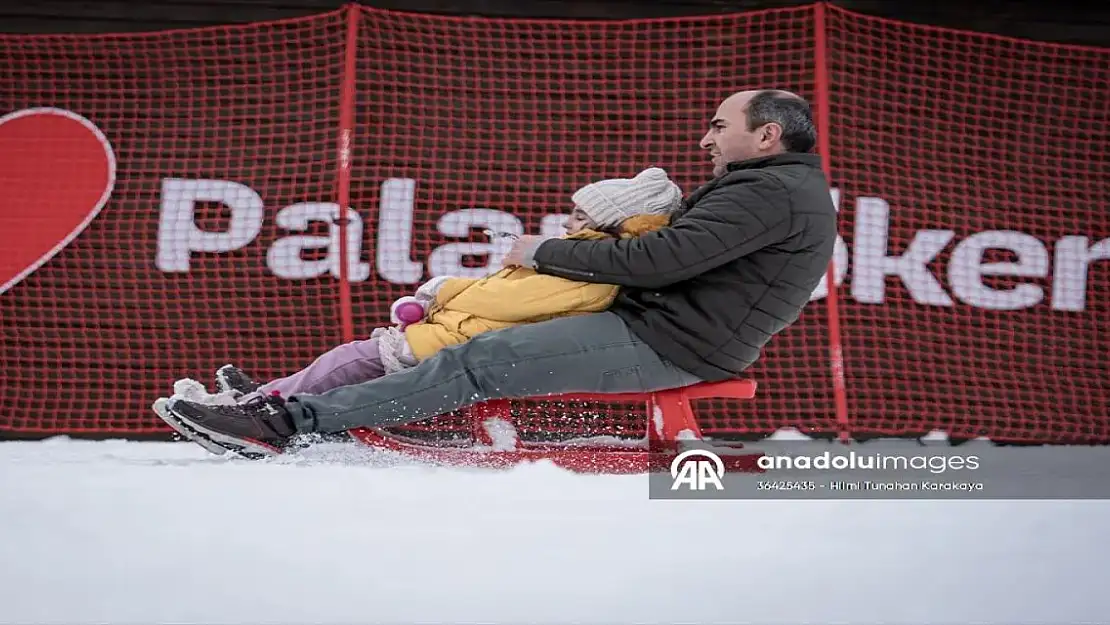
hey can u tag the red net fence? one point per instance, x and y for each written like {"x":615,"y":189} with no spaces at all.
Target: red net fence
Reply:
{"x":170,"y":203}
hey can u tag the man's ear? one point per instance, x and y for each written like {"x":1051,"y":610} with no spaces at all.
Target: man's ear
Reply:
{"x":770,"y":134}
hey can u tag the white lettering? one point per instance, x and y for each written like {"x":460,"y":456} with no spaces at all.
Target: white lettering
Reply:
{"x":840,"y":258}
{"x":840,"y":267}
{"x":178,"y":234}
{"x":697,"y":475}
{"x":1069,"y":284}
{"x":869,"y":264}
{"x":446,"y":260}
{"x":285,"y":258}
{"x":966,"y":270}
{"x":552,"y":225}
{"x":395,"y":231}
{"x":872,"y":265}
{"x":395,"y":216}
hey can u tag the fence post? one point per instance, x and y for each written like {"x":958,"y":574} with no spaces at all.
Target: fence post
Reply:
{"x":821,"y":100}
{"x":343,"y":178}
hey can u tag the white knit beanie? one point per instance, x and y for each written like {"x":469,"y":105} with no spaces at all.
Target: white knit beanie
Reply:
{"x":609,"y":202}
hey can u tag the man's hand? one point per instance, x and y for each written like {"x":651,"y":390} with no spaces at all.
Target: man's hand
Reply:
{"x":522,"y":250}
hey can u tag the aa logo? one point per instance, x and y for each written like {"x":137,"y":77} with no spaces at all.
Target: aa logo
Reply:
{"x":696,"y":474}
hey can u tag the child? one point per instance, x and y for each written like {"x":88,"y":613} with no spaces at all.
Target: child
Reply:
{"x":458,"y":309}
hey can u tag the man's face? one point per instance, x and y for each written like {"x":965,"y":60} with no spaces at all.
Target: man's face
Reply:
{"x":728,"y":139}
{"x":577,"y":221}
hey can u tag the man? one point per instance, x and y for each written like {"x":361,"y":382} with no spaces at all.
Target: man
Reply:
{"x":699,"y":298}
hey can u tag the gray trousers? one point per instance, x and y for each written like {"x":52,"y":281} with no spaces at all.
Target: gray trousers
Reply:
{"x":582,"y":354}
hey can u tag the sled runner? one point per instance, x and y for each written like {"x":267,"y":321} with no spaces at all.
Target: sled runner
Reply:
{"x":493,"y":441}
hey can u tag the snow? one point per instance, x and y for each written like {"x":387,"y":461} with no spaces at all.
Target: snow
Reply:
{"x":657,"y":419}
{"x":193,"y":390}
{"x":503,"y":434}
{"x":128,"y":532}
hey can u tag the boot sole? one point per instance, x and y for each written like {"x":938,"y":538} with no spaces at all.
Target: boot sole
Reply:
{"x":161,"y":409}
{"x":246,"y":447}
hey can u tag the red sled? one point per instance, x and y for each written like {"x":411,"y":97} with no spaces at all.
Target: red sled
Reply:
{"x":670,"y":426}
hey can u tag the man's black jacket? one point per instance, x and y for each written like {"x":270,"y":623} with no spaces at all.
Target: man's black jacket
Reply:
{"x":736,"y":266}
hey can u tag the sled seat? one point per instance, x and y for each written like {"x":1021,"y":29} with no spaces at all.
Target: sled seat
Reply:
{"x":670,"y":422}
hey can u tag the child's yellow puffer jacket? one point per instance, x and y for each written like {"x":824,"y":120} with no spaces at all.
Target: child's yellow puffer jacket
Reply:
{"x":467,"y":307}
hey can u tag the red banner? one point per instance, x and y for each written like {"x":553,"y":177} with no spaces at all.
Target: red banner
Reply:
{"x":171,"y":201}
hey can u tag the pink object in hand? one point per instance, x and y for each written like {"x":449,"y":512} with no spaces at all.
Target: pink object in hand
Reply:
{"x":409,"y":312}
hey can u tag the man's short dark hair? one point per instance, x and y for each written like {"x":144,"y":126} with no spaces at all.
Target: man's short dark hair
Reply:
{"x":799,"y":134}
